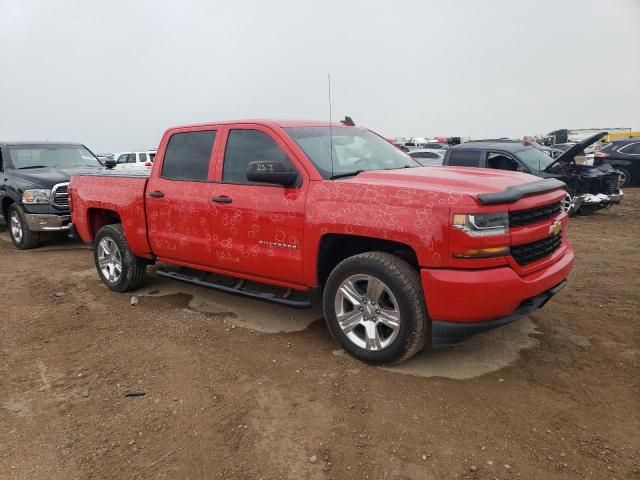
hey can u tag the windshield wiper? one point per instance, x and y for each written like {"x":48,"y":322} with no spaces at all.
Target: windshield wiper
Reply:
{"x":398,"y":168}
{"x":342,"y":175}
{"x":33,"y":166}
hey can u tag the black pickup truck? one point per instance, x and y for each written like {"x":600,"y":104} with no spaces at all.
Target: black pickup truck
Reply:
{"x":588,"y":187}
{"x":33,"y":188}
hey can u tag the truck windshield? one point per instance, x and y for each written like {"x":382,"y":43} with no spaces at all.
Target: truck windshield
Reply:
{"x":354,"y":150}
{"x":57,"y":156}
{"x":535,"y":159}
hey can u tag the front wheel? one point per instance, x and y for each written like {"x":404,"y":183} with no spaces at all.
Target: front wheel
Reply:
{"x":374,"y":307}
{"x":568,"y":204}
{"x":21,"y":236}
{"x":119,"y":269}
{"x":625,"y":177}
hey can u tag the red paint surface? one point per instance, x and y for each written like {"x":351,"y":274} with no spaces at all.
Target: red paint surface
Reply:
{"x":409,"y":206}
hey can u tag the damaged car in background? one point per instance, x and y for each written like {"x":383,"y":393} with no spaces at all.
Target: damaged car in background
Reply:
{"x":589,"y":188}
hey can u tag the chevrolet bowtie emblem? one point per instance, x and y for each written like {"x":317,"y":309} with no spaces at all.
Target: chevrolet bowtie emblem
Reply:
{"x":556,"y":228}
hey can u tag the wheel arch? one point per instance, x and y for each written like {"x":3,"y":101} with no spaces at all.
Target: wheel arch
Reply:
{"x":99,"y":217}
{"x":335,"y":247}
{"x":7,"y":201}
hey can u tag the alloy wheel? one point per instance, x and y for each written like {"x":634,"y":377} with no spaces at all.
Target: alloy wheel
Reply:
{"x":622,"y":179}
{"x":568,"y":203}
{"x":16,"y":227}
{"x":110,"y":260}
{"x":367,"y":312}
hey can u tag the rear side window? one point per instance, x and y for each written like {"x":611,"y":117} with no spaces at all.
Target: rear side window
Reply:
{"x":187,"y":156}
{"x":246,"y":146}
{"x":464,"y":158}
{"x":631,"y":149}
{"x":424,"y":155}
{"x":142,"y":157}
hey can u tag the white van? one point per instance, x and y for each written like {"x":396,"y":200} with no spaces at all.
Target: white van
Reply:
{"x":134,"y":160}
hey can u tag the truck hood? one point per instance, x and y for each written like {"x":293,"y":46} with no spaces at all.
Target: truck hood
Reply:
{"x":49,"y":176}
{"x":461,"y":180}
{"x":570,"y":155}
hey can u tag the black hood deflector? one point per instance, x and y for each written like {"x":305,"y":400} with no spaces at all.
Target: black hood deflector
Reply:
{"x":515,"y":193}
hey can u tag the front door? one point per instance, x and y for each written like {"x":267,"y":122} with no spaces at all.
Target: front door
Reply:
{"x":178,"y":201}
{"x":257,"y":229}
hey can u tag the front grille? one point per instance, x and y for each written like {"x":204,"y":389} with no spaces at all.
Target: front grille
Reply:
{"x":60,"y":195}
{"x":530,"y":252}
{"x":518,"y":218}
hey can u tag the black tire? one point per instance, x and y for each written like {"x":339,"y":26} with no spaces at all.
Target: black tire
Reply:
{"x":628,"y":179}
{"x":132,"y":267}
{"x":29,"y":238}
{"x":404,"y":283}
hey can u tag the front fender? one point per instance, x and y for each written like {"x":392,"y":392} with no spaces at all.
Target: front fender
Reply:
{"x":414,"y":217}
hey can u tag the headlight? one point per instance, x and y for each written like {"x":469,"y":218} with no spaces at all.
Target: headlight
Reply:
{"x":36,"y":196}
{"x":481,"y":224}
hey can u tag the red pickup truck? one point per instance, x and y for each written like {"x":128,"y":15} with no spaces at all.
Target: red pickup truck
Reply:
{"x":403,"y":255}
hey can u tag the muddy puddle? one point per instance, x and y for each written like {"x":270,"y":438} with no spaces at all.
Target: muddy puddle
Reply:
{"x":248,"y":313}
{"x":479,"y":355}
{"x":484,"y":353}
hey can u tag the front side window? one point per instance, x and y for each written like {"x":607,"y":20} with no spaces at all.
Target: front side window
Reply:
{"x":464,"y":158}
{"x":502,"y":161}
{"x":246,"y":146}
{"x":56,"y":156}
{"x":344,"y":150}
{"x":534,"y":159}
{"x":127,"y":158}
{"x":187,"y":156}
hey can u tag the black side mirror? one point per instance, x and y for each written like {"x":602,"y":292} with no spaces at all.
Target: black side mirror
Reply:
{"x":109,"y":163}
{"x":277,"y":173}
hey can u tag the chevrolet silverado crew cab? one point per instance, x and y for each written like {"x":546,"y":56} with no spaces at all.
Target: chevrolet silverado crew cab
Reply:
{"x":33,"y":191}
{"x":403,"y":255}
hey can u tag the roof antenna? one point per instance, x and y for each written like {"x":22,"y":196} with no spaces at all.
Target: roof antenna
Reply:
{"x":330,"y":126}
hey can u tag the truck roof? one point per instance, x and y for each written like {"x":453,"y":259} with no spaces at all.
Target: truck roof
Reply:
{"x":24,"y":143}
{"x":271,"y":122}
{"x":507,"y":146}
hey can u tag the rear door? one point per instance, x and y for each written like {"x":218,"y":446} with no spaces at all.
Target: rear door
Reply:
{"x":257,"y":228}
{"x":178,"y":198}
{"x":463,"y":157}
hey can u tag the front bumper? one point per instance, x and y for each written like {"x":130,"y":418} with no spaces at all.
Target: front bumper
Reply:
{"x":601,"y":198}
{"x":40,"y":222}
{"x":469,"y":297}
{"x":450,"y":333}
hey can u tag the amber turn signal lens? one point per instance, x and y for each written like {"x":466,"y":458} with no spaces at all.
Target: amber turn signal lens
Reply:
{"x":483,"y":253}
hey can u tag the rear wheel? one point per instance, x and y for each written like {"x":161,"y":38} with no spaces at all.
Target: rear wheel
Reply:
{"x":21,"y":236}
{"x":119,"y":269}
{"x":374,"y":307}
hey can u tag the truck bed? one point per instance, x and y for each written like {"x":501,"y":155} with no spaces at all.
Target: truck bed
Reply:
{"x":111,"y":193}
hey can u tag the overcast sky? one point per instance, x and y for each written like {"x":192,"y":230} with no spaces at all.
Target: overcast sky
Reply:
{"x":115,"y":74}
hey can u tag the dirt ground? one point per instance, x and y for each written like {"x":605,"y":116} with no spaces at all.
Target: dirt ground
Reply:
{"x":236,"y":388}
